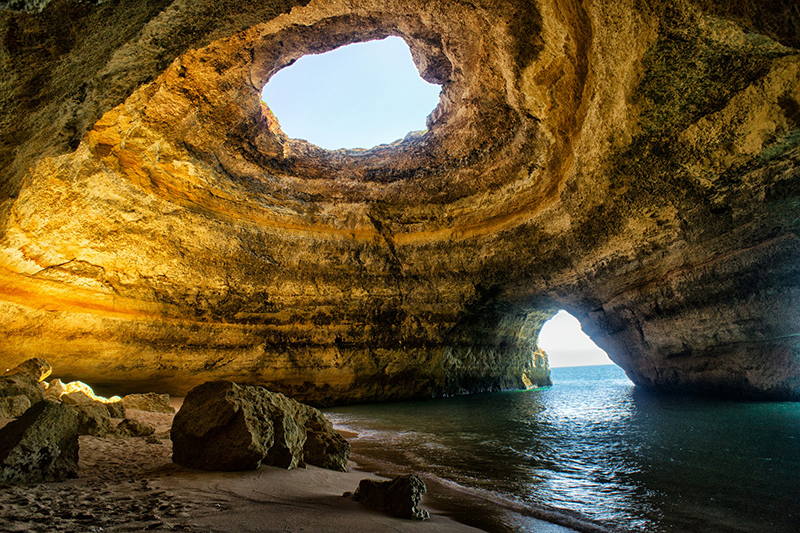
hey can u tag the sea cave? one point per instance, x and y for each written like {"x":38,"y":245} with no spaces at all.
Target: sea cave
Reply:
{"x":635,"y":164}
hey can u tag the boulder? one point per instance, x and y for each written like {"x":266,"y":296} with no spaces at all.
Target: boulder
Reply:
{"x":55,"y":389}
{"x":398,"y":497}
{"x":18,"y":392}
{"x":36,"y":367}
{"x":134,"y":428}
{"x":225,"y":426}
{"x":93,"y":419}
{"x":76,"y":398}
{"x":80,"y":398}
{"x":149,"y":401}
{"x":42,"y":445}
{"x":115,"y":409}
{"x":324,"y":446}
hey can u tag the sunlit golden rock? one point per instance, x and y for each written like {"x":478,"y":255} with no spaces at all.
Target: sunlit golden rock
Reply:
{"x":634,"y":163}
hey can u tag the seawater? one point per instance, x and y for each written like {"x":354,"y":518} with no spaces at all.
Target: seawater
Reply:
{"x":596,"y":447}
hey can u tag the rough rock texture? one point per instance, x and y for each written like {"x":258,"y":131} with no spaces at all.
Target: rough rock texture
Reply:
{"x":81,"y":399}
{"x":398,"y":497}
{"x":42,"y":445}
{"x":149,"y":401}
{"x":93,"y":419}
{"x":225,"y":426}
{"x":18,"y":392}
{"x":324,"y":447}
{"x":635,"y":163}
{"x":134,"y":428}
{"x":55,"y":388}
{"x":36,"y":367}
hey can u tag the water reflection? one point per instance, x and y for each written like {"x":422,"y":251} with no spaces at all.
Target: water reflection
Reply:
{"x":595,"y":445}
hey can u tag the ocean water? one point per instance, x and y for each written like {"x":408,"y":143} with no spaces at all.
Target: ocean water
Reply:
{"x":594,"y":452}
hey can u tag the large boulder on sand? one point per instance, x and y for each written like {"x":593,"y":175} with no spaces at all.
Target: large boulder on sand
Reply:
{"x":93,"y":419}
{"x":42,"y":445}
{"x":398,"y":497}
{"x":324,"y":446}
{"x":149,"y":401}
{"x":225,"y":426}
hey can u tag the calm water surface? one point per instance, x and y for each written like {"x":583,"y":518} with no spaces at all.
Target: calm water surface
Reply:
{"x":595,"y":446}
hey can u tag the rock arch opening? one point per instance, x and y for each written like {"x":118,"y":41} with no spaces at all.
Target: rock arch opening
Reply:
{"x":356,"y":96}
{"x":565,"y":343}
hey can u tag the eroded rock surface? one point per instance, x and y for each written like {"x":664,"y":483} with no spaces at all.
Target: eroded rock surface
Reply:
{"x":42,"y":445}
{"x":634,"y":163}
{"x":399,"y":497}
{"x":229,"y":427}
{"x":18,"y":392}
{"x":148,"y":401}
{"x":36,"y":367}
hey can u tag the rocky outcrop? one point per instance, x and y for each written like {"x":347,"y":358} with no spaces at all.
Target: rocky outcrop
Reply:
{"x":633,"y":163}
{"x":228,"y":427}
{"x":55,"y":389}
{"x":21,"y":387}
{"x":398,"y":497}
{"x":36,"y":367}
{"x":93,"y":419}
{"x":149,"y":401}
{"x":42,"y":445}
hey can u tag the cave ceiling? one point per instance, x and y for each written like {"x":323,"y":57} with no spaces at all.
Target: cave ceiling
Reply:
{"x":633,"y":163}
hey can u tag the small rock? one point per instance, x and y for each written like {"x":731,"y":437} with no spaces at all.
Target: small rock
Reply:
{"x":76,"y":398}
{"x":42,"y":445}
{"x":86,"y":394}
{"x":80,"y":398}
{"x":398,"y":497}
{"x":149,"y":401}
{"x":152,"y":439}
{"x":134,"y":428}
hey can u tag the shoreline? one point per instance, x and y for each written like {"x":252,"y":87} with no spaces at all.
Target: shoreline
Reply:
{"x":482,"y":511}
{"x":130,"y":484}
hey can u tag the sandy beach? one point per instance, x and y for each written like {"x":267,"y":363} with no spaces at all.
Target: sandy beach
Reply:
{"x":131,"y":484}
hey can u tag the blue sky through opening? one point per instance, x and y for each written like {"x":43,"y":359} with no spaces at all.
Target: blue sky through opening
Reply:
{"x":357,"y":96}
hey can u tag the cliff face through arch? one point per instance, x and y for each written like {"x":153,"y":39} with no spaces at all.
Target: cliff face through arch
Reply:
{"x":634,"y":164}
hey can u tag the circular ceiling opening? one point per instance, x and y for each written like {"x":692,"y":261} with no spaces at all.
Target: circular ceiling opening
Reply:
{"x":357,"y":96}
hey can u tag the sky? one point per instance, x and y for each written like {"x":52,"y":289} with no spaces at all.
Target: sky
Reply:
{"x":567,"y":345}
{"x":357,"y":96}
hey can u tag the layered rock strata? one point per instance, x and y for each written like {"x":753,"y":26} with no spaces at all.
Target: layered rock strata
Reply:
{"x":635,"y":164}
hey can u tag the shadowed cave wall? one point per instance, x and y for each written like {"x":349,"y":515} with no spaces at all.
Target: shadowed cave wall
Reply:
{"x":633,"y":163}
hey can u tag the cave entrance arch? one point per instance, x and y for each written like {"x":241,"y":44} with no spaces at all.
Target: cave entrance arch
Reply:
{"x":565,"y":343}
{"x":356,"y":96}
